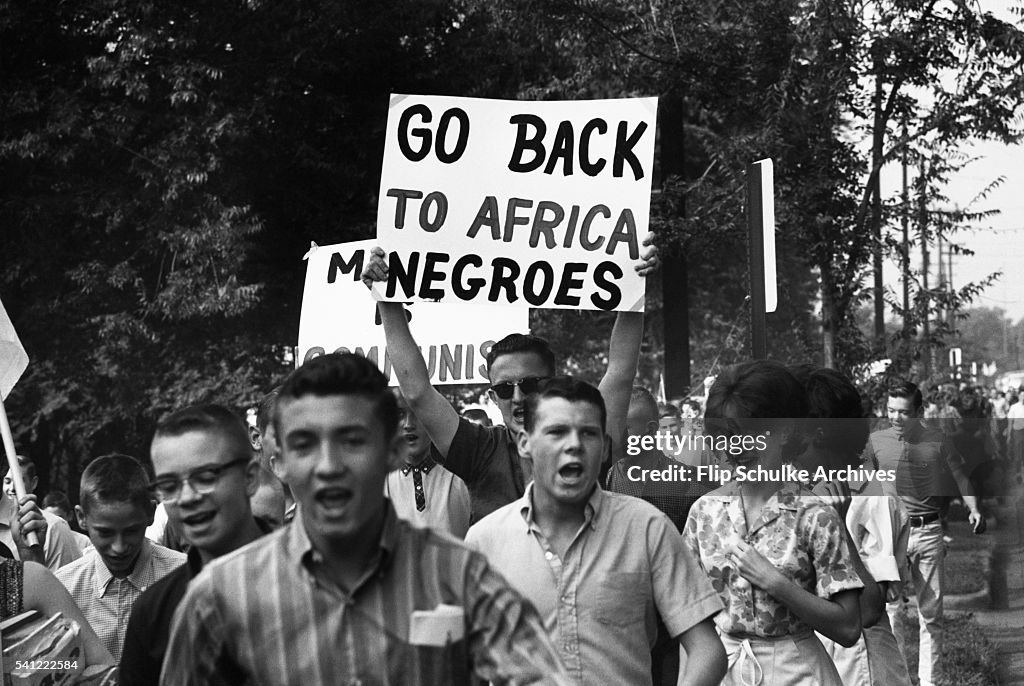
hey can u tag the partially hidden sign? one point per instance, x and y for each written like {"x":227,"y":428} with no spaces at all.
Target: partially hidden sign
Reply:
{"x":13,"y":358}
{"x":340,"y":314}
{"x":539,"y":204}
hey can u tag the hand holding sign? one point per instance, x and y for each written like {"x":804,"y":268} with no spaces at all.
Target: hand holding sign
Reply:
{"x":13,"y":361}
{"x":28,"y":523}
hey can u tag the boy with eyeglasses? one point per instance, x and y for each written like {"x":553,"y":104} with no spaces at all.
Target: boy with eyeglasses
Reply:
{"x":206,"y":447}
{"x":115,"y":509}
{"x":487,"y":458}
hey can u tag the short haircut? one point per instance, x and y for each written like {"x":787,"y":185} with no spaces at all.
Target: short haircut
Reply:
{"x":208,"y":418}
{"x":832,"y":396}
{"x":58,"y":499}
{"x":265,"y":410}
{"x":522,"y":343}
{"x":341,"y":374}
{"x":901,"y":388}
{"x":28,"y":467}
{"x":694,"y":404}
{"x":759,"y":389}
{"x":669,"y":410}
{"x":115,"y":479}
{"x":642,"y":396}
{"x":567,"y":388}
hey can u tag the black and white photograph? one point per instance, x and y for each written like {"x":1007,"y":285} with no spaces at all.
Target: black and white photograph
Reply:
{"x":512,"y":342}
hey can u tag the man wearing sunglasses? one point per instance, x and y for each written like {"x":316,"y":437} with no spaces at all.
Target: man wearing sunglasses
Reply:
{"x":487,"y":458}
{"x":205,"y":475}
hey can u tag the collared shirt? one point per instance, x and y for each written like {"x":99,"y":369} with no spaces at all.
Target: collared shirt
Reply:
{"x":59,"y":545}
{"x":625,"y":566}
{"x":924,"y":461}
{"x":107,"y":601}
{"x":1015,"y":413}
{"x":267,"y":614}
{"x":796,"y":531}
{"x":149,"y":628}
{"x":445,"y":498}
{"x":674,"y":498}
{"x":488,"y":460}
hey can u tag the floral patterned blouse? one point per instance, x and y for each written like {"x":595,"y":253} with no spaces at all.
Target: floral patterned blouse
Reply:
{"x":796,"y":531}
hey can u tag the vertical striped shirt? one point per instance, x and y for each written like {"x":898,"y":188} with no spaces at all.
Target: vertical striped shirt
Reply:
{"x":267,"y":614}
{"x":106,"y":601}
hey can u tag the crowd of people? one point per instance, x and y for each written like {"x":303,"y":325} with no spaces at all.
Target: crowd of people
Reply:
{"x":359,"y":534}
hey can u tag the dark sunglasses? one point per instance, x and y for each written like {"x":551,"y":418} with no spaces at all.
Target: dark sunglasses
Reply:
{"x":528,"y":385}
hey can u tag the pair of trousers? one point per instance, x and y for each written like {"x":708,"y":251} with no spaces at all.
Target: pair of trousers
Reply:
{"x":926,"y":555}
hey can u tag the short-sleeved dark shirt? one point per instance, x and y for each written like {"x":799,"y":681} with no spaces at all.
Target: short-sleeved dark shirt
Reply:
{"x":488,"y":460}
{"x":149,"y":625}
{"x":924,"y":461}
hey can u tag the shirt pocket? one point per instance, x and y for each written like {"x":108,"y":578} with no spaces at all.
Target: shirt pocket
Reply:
{"x":622,"y":599}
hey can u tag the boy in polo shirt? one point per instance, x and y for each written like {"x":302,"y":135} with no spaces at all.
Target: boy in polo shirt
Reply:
{"x":115,"y":510}
{"x":424,"y":493}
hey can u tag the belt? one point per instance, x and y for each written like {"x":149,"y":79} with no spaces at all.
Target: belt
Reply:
{"x":921,"y":520}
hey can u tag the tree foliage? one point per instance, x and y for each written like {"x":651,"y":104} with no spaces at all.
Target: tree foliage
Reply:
{"x":165,"y":165}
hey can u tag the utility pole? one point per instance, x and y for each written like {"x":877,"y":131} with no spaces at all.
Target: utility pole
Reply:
{"x":922,"y":219}
{"x":905,"y":252}
{"x":675,"y":303}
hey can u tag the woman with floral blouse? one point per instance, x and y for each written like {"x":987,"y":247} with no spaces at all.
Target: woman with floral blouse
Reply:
{"x":776,"y":554}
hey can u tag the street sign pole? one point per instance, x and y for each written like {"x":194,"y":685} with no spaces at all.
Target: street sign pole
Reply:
{"x":761,"y":227}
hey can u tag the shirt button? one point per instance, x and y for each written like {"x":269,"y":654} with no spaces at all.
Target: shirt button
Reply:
{"x":549,"y":556}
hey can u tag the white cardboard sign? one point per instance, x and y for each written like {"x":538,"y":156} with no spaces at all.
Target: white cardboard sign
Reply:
{"x":340,"y":314}
{"x":543,"y":204}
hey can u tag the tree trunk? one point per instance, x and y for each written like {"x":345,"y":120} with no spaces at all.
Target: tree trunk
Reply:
{"x":878,"y":140}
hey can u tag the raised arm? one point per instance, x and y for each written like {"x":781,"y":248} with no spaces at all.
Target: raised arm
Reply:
{"x":436,"y":414}
{"x":617,"y":384}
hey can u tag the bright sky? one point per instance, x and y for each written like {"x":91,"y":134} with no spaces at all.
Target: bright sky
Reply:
{"x":1001,"y":248}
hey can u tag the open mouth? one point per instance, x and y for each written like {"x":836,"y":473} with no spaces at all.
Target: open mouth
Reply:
{"x":412,"y":439}
{"x":571,"y":472}
{"x":198,"y":519}
{"x":333,"y":499}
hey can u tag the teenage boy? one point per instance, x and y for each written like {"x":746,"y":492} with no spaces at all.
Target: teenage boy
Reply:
{"x":205,"y":475}
{"x":115,"y":510}
{"x":349,"y":593}
{"x":423,"y":492}
{"x":601,"y":567}
{"x":59,"y":546}
{"x":487,"y":458}
{"x":924,"y":462}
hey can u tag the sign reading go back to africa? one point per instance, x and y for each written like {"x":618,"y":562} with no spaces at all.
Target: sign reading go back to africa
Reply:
{"x":540,"y":204}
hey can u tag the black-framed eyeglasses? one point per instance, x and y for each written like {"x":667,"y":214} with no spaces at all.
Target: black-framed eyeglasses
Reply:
{"x":202,"y":480}
{"x":527,"y":384}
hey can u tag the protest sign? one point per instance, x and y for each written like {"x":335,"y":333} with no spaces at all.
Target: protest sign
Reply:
{"x":13,"y":358}
{"x":13,"y":362}
{"x":544,"y":204}
{"x":340,"y":314}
